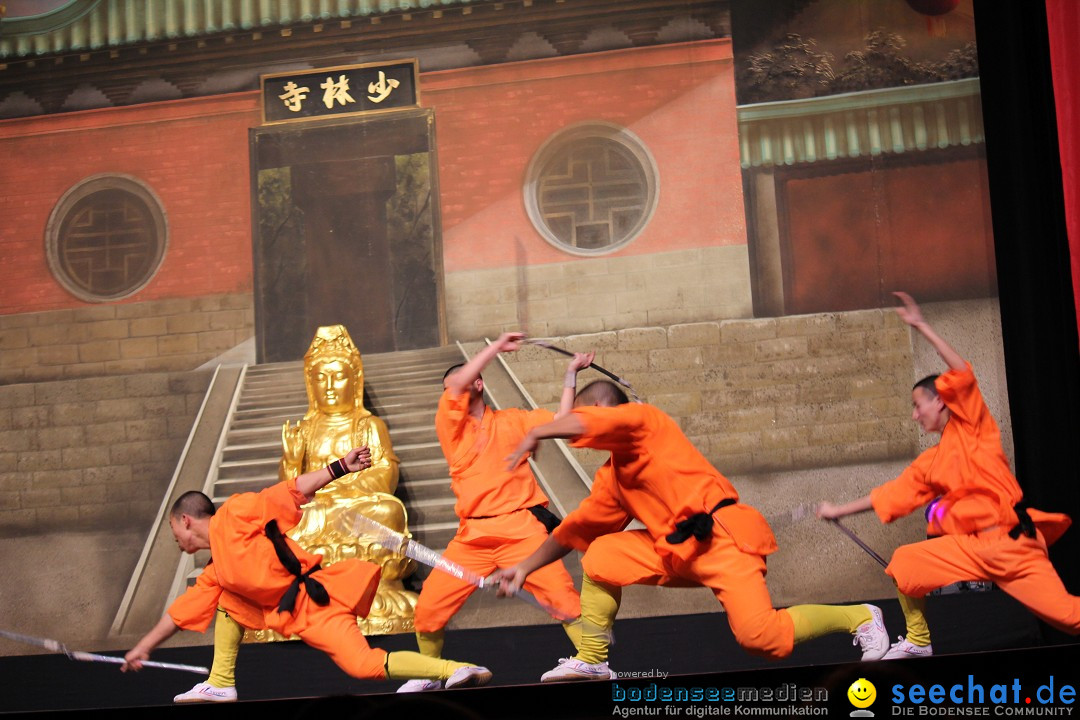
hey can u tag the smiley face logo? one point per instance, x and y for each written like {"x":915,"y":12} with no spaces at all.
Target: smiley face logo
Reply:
{"x":862,"y":693}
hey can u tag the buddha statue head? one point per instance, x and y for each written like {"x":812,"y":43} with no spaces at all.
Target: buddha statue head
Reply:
{"x":334,"y":373}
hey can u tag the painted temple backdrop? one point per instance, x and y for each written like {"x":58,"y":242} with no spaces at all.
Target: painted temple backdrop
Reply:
{"x":717,"y":197}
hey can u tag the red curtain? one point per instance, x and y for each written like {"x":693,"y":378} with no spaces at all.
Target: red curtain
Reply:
{"x":1063,"y":20}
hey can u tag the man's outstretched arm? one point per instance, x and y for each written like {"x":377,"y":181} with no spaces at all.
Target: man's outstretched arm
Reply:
{"x":912,"y":315}
{"x":512,"y":578}
{"x":467,"y":374}
{"x":568,"y":426}
{"x":355,"y":460}
{"x":579,"y":362}
{"x":828,"y":511}
{"x":161,"y":632}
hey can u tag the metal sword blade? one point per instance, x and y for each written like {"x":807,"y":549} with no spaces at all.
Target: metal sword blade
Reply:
{"x":396,"y":542}
{"x":57,"y":646}
{"x":869,"y":551}
{"x":53,"y":645}
{"x":594,"y":366}
{"x":94,"y":657}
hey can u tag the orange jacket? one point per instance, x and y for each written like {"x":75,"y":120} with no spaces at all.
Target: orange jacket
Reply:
{"x":245,"y":576}
{"x":657,"y":476}
{"x":967,"y":469}
{"x":477,"y":452}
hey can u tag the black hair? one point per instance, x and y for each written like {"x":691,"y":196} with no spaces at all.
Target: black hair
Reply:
{"x":601,"y":392}
{"x":194,"y":504}
{"x":927,"y":384}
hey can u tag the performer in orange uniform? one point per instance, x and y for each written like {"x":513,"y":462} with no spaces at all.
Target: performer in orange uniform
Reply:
{"x":499,"y":508}
{"x":985,"y":530}
{"x":266,"y":580}
{"x":697,"y":533}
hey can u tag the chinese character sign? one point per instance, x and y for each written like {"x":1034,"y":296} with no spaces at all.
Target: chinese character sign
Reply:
{"x":294,"y":96}
{"x":336,"y":91}
{"x":289,"y":96}
{"x":381,"y":89}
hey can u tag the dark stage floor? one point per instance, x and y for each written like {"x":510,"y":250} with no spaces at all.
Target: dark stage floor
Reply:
{"x":974,"y":630}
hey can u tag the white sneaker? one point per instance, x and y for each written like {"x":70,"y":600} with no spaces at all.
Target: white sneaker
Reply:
{"x":468,"y":676}
{"x":872,"y":636}
{"x":420,"y":685}
{"x":206,"y":693}
{"x":904,"y":649}
{"x":574,"y":669}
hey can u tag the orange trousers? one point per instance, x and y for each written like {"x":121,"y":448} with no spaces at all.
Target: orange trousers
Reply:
{"x":736,"y":578}
{"x":1020,"y":567}
{"x":443,"y":595}
{"x":332,"y":629}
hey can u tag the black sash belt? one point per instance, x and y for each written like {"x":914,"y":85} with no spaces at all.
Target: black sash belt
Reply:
{"x":699,"y":525}
{"x":1026,"y":524}
{"x":549,"y":519}
{"x":315,"y":589}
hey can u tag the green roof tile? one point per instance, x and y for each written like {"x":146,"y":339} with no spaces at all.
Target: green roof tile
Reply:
{"x":83,"y":25}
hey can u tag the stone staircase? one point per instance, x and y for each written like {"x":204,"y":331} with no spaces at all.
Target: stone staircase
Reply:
{"x":402,"y":388}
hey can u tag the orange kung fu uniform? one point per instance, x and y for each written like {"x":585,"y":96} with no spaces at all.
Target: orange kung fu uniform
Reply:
{"x":657,"y":476}
{"x":970,"y":473}
{"x":496,"y":529}
{"x":247,"y":580}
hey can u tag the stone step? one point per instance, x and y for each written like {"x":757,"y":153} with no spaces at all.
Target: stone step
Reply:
{"x":270,"y":447}
{"x":403,"y":397}
{"x":224,"y":488}
{"x":415,"y":452}
{"x":263,"y":467}
{"x":430,"y":469}
{"x":411,"y":491}
{"x":434,"y":512}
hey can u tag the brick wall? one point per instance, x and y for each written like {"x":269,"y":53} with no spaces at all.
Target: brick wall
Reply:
{"x":88,"y":454}
{"x":679,"y":100}
{"x":596,"y":294}
{"x":191,"y":153}
{"x":117,"y":339}
{"x":761,"y":395}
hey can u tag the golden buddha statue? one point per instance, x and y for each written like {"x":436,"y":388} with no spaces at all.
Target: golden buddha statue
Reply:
{"x":337,"y":421}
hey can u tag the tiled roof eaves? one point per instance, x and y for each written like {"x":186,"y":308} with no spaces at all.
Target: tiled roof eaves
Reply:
{"x":85,"y":25}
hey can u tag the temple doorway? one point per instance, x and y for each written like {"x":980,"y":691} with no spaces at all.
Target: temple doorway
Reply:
{"x":346,"y":231}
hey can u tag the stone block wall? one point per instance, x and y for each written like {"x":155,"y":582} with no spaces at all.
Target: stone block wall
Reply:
{"x":122,"y":338}
{"x":92,"y":453}
{"x":762,"y":395}
{"x":600,"y":294}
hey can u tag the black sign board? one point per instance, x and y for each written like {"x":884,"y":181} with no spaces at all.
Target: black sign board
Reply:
{"x":336,"y":91}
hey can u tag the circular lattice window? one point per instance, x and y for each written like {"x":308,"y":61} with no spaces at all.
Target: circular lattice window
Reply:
{"x":106,"y":238}
{"x":591,"y":189}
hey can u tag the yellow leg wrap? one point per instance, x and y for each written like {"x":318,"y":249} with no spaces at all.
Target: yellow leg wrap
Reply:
{"x":406,"y":665}
{"x":813,"y":621}
{"x":599,"y":605}
{"x":573,"y":631}
{"x":430,"y":643}
{"x":227,"y":636}
{"x":918,"y":632}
